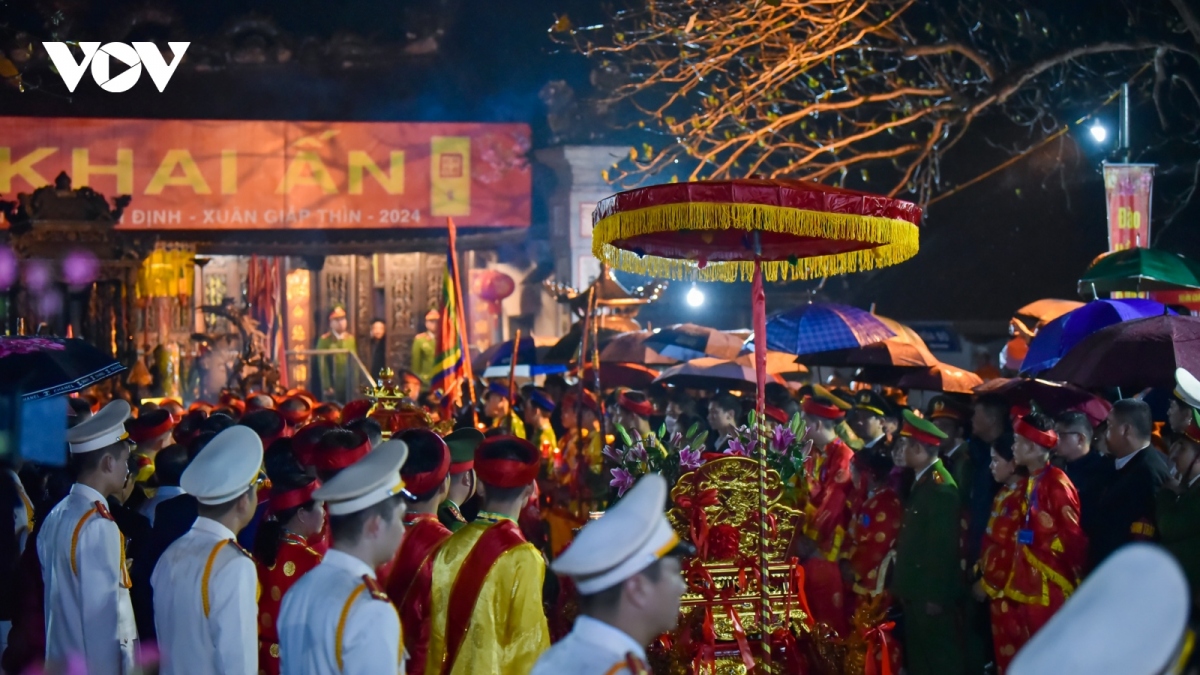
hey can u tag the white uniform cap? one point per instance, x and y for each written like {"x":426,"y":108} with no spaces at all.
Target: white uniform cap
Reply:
{"x":100,"y":430}
{"x":1187,"y":387}
{"x":1128,"y":617}
{"x":226,"y":467}
{"x":627,"y":539}
{"x":366,"y":482}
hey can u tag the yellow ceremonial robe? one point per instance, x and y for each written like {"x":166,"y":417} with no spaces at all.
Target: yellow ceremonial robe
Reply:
{"x":508,"y":630}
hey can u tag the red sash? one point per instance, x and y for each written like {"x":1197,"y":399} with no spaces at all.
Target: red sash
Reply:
{"x":495,"y":542}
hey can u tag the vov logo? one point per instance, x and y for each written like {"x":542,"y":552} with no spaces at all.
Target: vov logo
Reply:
{"x":100,"y":59}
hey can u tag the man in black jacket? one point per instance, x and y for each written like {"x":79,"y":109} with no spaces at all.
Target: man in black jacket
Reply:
{"x":1125,"y":502}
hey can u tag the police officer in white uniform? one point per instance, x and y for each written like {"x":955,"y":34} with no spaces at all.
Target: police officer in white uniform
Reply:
{"x":205,"y":585}
{"x":1130,"y":617}
{"x":626,"y":568}
{"x":337,"y":618}
{"x":88,"y":611}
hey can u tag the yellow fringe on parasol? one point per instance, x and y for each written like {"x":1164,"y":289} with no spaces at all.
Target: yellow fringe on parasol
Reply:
{"x":898,"y":240}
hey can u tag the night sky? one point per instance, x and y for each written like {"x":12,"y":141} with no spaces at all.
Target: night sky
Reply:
{"x":1025,"y":233}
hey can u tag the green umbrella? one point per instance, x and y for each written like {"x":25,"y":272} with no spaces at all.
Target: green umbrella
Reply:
{"x":1139,"y":269}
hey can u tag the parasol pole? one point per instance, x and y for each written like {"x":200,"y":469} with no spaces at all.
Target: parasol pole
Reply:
{"x":759,"y":301}
{"x":581,"y":439}
{"x":464,"y":341}
{"x":512,"y":374}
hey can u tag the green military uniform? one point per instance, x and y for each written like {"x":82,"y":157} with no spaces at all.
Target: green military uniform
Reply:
{"x":335,"y":370}
{"x":424,"y":353}
{"x":462,"y":444}
{"x":1179,"y":528}
{"x":928,"y":569}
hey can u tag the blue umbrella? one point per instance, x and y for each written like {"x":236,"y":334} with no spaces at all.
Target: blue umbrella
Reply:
{"x":822,"y":327}
{"x":529,"y":354}
{"x":1057,"y":337}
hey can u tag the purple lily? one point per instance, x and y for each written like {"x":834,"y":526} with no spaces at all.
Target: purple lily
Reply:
{"x":638,"y":453}
{"x":690,"y":459}
{"x":782,"y":439}
{"x":613,"y":454}
{"x":622,"y":480}
{"x":737,"y":447}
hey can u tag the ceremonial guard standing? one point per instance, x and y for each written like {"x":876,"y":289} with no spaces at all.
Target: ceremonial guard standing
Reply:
{"x":870,"y":409}
{"x":487,"y":580}
{"x":89,"y":615}
{"x":626,"y":568}
{"x":463,"y":482}
{"x":337,"y":618}
{"x":281,"y":547}
{"x":205,"y":585}
{"x":426,"y":475}
{"x":928,"y":579}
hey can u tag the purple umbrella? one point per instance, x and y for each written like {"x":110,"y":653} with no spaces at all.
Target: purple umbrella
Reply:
{"x":1133,"y":354}
{"x":822,"y":327}
{"x":1057,"y":337}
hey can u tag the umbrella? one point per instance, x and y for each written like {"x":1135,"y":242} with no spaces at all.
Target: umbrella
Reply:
{"x":822,"y":327}
{"x":1139,"y":269}
{"x":49,"y":366}
{"x":531,"y":354}
{"x":1052,"y":397}
{"x":688,"y":341}
{"x":632,"y":375}
{"x":632,"y":348}
{"x":778,"y":363}
{"x":1058,"y":337}
{"x":1045,"y":310}
{"x":1133,"y":354}
{"x":710,"y":373}
{"x":941,"y":377}
{"x":905,"y":348}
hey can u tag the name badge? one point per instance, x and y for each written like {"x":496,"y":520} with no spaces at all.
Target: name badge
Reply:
{"x":1025,"y":537}
{"x":866,"y":520}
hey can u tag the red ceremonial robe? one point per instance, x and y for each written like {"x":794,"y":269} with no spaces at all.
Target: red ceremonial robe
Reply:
{"x":871,"y":537}
{"x":996,"y":554}
{"x":294,"y":560}
{"x":409,"y":581}
{"x":830,"y":492}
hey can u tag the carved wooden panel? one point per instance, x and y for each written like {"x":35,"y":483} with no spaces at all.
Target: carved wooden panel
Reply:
{"x":402,"y":272}
{"x":361,"y":319}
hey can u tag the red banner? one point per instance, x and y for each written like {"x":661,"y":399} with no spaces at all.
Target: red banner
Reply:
{"x":220,"y":175}
{"x":1189,"y":299}
{"x":1128,"y":188}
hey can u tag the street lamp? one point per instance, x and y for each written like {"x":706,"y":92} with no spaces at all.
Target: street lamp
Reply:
{"x":695,"y":297}
{"x":1099,"y":133}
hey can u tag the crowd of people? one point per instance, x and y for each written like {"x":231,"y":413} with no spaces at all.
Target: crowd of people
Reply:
{"x":278,"y":534}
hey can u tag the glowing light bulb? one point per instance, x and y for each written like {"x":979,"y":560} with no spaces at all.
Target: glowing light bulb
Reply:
{"x":1099,"y":133}
{"x":695,"y":297}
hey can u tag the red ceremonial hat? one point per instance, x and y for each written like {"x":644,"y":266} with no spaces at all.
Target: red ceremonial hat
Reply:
{"x":356,"y":409}
{"x":1046,"y":439}
{"x":328,"y":412}
{"x":493,"y":468}
{"x":421,"y":444}
{"x":296,"y":410}
{"x":203,"y":406}
{"x":282,"y":500}
{"x":231,"y":401}
{"x":640,"y":408}
{"x":333,"y":456}
{"x":776,"y":414}
{"x":304,"y":443}
{"x":151,"y":425}
{"x":189,"y":426}
{"x":259,"y":401}
{"x":276,"y":430}
{"x":821,"y":408}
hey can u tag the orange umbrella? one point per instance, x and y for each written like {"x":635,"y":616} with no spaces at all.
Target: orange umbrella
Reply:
{"x":942,"y":377}
{"x":1045,"y":310}
{"x":632,"y":348}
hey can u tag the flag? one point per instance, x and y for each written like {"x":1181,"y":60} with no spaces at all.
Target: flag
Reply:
{"x":451,"y":366}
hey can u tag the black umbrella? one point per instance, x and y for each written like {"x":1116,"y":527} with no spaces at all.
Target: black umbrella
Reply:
{"x":42,"y":367}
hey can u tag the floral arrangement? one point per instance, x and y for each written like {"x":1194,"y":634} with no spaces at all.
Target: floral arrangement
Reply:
{"x":671,"y":455}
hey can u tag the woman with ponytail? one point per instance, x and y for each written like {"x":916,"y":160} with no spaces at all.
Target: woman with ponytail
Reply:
{"x":281,"y":545}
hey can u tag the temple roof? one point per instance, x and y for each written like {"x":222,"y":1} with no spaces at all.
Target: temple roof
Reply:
{"x":610,"y":294}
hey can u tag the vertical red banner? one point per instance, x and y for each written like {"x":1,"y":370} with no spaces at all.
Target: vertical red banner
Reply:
{"x":1127,"y":189}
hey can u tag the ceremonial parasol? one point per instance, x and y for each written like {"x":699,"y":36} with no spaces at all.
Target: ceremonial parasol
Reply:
{"x":1133,"y":354}
{"x":49,"y":366}
{"x":1139,"y":269}
{"x":752,"y":230}
{"x":1058,"y":337}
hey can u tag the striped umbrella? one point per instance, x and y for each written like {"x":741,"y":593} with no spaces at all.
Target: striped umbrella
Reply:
{"x":823,"y":327}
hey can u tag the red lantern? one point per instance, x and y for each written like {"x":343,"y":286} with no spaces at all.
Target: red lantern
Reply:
{"x":494,"y":286}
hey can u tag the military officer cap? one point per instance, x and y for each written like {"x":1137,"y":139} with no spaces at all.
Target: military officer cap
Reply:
{"x":872,"y":402}
{"x":627,"y":539}
{"x":462,"y":443}
{"x":922,"y":431}
{"x":1129,"y":617}
{"x":1187,"y":387}
{"x":226,"y":468}
{"x":100,"y":430}
{"x":947,"y":407}
{"x":367,"y":482}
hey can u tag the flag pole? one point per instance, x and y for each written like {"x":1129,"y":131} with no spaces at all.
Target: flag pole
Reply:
{"x":464,"y":342}
{"x":512,"y":371}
